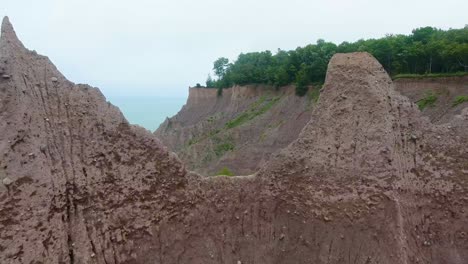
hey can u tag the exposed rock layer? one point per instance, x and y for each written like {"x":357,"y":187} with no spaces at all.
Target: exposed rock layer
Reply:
{"x":368,"y":181}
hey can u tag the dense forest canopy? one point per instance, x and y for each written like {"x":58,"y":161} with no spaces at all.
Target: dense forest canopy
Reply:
{"x":427,"y":50}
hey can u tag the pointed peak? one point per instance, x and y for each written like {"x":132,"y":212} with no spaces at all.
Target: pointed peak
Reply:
{"x":8,"y":33}
{"x":5,"y":21}
{"x":7,"y":27}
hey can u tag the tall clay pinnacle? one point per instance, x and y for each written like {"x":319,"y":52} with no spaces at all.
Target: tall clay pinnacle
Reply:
{"x":8,"y":35}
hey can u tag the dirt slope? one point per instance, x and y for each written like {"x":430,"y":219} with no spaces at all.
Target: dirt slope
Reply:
{"x":368,"y":181}
{"x":238,"y":130}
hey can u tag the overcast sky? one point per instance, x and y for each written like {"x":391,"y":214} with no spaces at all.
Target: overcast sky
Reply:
{"x":160,"y":47}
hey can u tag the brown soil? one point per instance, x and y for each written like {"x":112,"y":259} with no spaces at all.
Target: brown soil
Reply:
{"x":367,"y":181}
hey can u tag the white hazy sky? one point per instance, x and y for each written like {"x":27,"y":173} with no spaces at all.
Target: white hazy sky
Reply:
{"x":160,"y":47}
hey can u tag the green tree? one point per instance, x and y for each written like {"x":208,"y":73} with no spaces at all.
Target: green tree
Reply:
{"x":220,"y":67}
{"x":424,"y":34}
{"x":426,"y":50}
{"x":302,"y":80}
{"x":460,"y":54}
{"x":281,"y":77}
{"x":210,"y":83}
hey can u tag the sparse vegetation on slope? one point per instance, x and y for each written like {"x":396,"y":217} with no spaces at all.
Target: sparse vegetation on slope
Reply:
{"x":429,"y":100}
{"x":460,"y":100}
{"x":222,"y":148}
{"x":258,"y":108}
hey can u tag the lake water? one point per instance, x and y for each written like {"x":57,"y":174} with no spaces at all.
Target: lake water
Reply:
{"x":148,"y":112}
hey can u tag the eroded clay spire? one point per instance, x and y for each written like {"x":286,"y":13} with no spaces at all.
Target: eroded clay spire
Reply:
{"x":8,"y":35}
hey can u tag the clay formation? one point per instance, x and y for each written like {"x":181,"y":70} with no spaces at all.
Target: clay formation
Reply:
{"x":368,"y":180}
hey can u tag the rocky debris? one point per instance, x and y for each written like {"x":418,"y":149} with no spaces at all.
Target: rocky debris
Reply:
{"x":103,"y":191}
{"x":7,"y":181}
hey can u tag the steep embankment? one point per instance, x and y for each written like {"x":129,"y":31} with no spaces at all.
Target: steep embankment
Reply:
{"x":437,"y":96}
{"x":238,"y":130}
{"x":367,"y":181}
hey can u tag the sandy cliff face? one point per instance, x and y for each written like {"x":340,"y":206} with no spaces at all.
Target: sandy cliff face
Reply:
{"x":367,"y":181}
{"x":238,"y":130}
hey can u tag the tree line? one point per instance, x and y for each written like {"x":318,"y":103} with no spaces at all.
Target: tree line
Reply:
{"x":426,"y":50}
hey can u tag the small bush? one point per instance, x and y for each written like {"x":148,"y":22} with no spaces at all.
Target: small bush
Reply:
{"x":222,"y":148}
{"x":191,"y":142}
{"x":429,"y":100}
{"x":210,"y":119}
{"x":225,"y":172}
{"x":460,"y":100}
{"x":301,"y":89}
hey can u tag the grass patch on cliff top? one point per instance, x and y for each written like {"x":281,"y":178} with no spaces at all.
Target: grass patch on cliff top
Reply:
{"x":428,"y":100}
{"x":429,"y":75}
{"x":258,"y":108}
{"x":460,"y":100}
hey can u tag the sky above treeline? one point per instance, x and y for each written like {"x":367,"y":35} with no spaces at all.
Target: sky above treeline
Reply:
{"x":161,"y":47}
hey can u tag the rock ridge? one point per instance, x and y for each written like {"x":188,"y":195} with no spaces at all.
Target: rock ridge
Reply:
{"x":9,"y":34}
